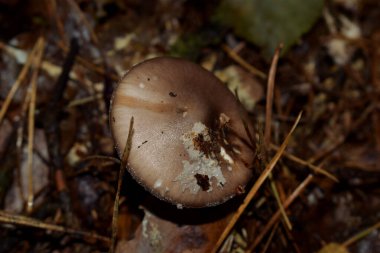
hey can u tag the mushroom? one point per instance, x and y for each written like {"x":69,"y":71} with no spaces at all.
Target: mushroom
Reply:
{"x":189,"y":146}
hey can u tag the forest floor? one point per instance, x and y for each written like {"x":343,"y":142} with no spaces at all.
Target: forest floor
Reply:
{"x":59,"y":64}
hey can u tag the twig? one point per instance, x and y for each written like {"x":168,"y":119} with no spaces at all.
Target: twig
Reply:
{"x":361,"y":235}
{"x":234,"y":56}
{"x":337,"y":143}
{"x":26,"y":221}
{"x":277,"y":215}
{"x":268,"y":124}
{"x":254,"y":189}
{"x":269,"y":97}
{"x":279,"y":203}
{"x":51,"y":122}
{"x":31,"y":116}
{"x":309,"y":165}
{"x":82,"y":101}
{"x":19,"y":143}
{"x":17,"y":83}
{"x":123,"y":164}
{"x":265,"y":248}
{"x":91,"y":66}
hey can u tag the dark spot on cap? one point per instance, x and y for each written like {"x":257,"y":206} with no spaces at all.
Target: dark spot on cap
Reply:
{"x":240,"y":190}
{"x":206,"y":147}
{"x":202,"y":181}
{"x":113,"y":119}
{"x":172,"y":94}
{"x":142,"y":144}
{"x":148,"y":79}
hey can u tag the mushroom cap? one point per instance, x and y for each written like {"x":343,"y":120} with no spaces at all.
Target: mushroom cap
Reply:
{"x":189,"y":144}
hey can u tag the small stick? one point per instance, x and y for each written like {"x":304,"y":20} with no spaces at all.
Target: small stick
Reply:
{"x":17,"y":83}
{"x":51,"y":113}
{"x":19,"y":143}
{"x":82,"y":101}
{"x":309,"y":165}
{"x":270,"y":238}
{"x":26,"y":221}
{"x":91,"y":66}
{"x":255,"y":188}
{"x":123,"y":164}
{"x":277,"y":215}
{"x":270,"y":89}
{"x":279,"y":203}
{"x":360,"y":235}
{"x":336,"y":144}
{"x":234,"y":56}
{"x":268,"y":124}
{"x":31,"y":119}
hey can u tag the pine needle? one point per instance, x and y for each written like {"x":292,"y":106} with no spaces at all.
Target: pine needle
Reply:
{"x":32,"y":108}
{"x":255,"y":188}
{"x":234,"y":56}
{"x":277,"y":215}
{"x":123,"y":164}
{"x":17,"y":83}
{"x":361,"y":235}
{"x":27,"y":221}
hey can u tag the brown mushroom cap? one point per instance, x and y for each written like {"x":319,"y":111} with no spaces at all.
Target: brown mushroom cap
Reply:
{"x":189,"y":144}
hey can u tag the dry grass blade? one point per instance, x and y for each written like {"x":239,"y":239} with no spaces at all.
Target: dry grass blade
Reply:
{"x":91,"y":66}
{"x":278,"y":200}
{"x":277,"y":215}
{"x":269,"y":97}
{"x":19,"y":143}
{"x":123,"y":164}
{"x":82,"y":101}
{"x":32,"y":108}
{"x":234,"y":56}
{"x":255,"y":188}
{"x":361,"y":235}
{"x":266,"y":246}
{"x":26,"y":221}
{"x":315,"y":169}
{"x":17,"y":83}
{"x":268,"y":124}
{"x":337,"y":143}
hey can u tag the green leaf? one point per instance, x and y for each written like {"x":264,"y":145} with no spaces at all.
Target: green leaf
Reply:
{"x":267,"y":23}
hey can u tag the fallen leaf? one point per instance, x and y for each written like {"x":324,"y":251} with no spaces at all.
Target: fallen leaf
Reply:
{"x":271,"y":22}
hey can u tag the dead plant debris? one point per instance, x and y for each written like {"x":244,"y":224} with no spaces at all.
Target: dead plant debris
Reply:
{"x":62,"y":189}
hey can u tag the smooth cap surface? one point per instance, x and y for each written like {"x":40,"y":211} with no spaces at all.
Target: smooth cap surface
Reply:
{"x":189,"y":144}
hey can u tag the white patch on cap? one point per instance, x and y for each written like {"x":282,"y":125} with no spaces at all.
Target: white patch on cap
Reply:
{"x":158,"y":183}
{"x":225,"y":156}
{"x":236,"y":151}
{"x":198,"y":162}
{"x":223,"y":118}
{"x":142,"y":85}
